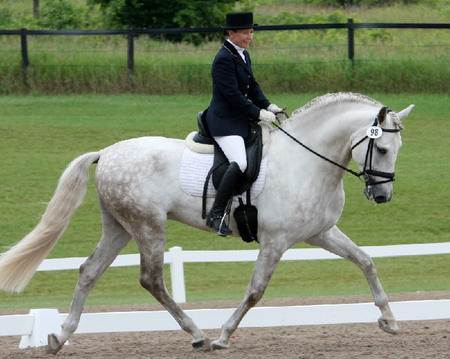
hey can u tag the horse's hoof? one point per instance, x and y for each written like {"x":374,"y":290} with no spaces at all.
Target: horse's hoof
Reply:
{"x":218,"y":345}
{"x":54,"y":346}
{"x":201,"y":344}
{"x":388,"y":325}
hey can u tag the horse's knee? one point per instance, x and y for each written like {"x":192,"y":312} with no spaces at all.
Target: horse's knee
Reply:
{"x":364,"y":262}
{"x":368,"y":266}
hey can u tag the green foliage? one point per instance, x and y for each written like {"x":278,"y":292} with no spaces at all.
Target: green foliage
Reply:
{"x":350,"y":3}
{"x":53,"y":15}
{"x":61,"y":15}
{"x":166,"y":14}
{"x":5,"y":17}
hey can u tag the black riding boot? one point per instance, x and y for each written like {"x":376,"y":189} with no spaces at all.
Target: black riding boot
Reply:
{"x":229,"y":181}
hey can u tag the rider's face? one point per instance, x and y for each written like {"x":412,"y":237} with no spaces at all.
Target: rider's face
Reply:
{"x":241,"y":37}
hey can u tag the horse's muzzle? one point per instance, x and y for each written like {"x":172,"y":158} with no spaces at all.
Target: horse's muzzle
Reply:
{"x":378,"y":193}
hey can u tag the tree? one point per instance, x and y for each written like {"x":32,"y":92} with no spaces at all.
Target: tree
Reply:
{"x":166,"y":14}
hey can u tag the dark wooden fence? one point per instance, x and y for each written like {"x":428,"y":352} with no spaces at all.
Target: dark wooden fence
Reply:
{"x":350,"y":26}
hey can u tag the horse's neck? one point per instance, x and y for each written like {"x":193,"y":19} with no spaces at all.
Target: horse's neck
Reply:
{"x":330,"y":131}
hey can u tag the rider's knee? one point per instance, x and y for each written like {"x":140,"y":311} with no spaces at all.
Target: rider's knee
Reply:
{"x":242,"y":165}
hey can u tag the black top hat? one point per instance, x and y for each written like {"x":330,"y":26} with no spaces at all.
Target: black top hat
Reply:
{"x":239,"y":20}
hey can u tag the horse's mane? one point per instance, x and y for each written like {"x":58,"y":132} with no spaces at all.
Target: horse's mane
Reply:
{"x":332,"y":99}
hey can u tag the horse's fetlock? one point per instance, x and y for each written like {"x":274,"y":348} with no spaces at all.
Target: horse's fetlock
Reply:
{"x":254,"y":296}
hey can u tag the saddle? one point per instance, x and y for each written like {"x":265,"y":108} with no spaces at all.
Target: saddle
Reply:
{"x":254,"y":150}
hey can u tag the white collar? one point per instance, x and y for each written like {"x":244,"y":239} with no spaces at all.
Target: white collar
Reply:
{"x":239,"y":49}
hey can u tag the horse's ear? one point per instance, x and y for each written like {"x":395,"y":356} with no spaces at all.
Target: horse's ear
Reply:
{"x":382,"y":114}
{"x":404,"y":113}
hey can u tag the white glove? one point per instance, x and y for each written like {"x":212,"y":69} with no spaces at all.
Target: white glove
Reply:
{"x":274,"y":108}
{"x":267,"y":116}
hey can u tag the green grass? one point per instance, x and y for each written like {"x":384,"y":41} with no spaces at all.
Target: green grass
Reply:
{"x":41,"y":135}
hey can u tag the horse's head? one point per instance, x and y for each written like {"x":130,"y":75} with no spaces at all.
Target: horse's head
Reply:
{"x":375,"y":150}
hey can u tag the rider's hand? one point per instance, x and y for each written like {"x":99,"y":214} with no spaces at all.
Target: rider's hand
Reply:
{"x":267,"y":116}
{"x":274,"y":108}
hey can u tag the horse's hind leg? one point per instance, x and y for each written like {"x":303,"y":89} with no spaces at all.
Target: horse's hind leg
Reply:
{"x":338,"y":243}
{"x":113,"y":240}
{"x":151,"y":244}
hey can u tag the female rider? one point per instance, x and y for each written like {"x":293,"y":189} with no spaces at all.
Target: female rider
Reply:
{"x":237,"y":99}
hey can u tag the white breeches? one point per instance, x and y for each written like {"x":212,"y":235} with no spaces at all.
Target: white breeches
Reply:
{"x":234,"y":149}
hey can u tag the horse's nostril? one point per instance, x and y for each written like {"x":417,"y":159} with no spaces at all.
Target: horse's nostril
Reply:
{"x":380,"y":199}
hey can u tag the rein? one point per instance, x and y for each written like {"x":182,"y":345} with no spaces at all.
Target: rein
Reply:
{"x":318,"y":154}
{"x":368,"y":159}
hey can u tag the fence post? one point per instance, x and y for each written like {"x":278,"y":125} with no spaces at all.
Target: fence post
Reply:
{"x":351,"y":40}
{"x":36,"y":9}
{"x":130,"y":57}
{"x":130,"y":53}
{"x":177,"y":275}
{"x":46,"y":321}
{"x":24,"y":51}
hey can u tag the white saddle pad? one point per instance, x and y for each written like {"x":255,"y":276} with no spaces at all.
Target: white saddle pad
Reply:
{"x":195,"y":167}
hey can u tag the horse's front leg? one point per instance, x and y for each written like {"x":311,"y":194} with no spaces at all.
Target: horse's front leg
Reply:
{"x":338,"y":243}
{"x":266,"y":263}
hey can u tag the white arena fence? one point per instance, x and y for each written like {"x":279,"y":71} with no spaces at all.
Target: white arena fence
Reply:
{"x":35,"y":326}
{"x":176,"y":257}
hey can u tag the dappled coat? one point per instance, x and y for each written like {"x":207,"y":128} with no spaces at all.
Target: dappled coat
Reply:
{"x":237,"y":97}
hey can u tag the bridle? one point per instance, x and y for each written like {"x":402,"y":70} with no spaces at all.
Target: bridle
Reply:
{"x":367,"y":169}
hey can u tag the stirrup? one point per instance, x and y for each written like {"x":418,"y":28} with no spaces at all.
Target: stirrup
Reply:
{"x":219,"y":225}
{"x":224,"y":230}
{"x":222,"y":227}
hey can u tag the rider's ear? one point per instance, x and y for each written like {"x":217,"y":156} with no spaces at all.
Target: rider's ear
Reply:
{"x":382,"y":115}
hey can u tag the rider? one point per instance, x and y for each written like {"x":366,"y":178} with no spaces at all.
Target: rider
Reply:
{"x":237,"y":99}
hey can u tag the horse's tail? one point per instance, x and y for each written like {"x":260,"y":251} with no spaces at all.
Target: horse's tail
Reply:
{"x":20,"y":262}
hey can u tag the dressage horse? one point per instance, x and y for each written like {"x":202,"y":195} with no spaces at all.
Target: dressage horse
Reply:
{"x":302,"y":199}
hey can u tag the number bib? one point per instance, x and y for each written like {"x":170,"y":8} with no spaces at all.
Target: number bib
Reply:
{"x":374,"y":132}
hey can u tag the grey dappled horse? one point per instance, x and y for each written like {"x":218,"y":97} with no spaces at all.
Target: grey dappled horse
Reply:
{"x":302,"y":199}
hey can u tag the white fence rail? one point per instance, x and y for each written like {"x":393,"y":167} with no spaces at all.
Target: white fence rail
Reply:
{"x":176,"y":257}
{"x":35,"y":326}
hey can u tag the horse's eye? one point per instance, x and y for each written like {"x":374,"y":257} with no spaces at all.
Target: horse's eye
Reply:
{"x":381,"y":150}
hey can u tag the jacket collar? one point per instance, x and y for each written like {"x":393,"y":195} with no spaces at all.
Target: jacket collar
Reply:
{"x":229,"y":46}
{"x":232,"y":50}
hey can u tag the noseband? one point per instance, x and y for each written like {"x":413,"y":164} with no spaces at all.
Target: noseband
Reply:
{"x":367,"y":169}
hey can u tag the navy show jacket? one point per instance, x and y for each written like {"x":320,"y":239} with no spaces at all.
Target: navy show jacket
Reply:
{"x":237,"y":98}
